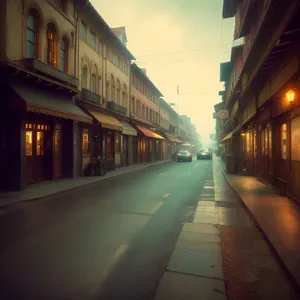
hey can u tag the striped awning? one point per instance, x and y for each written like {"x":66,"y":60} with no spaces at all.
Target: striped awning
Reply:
{"x":50,"y":103}
{"x":149,"y":133}
{"x":107,"y":121}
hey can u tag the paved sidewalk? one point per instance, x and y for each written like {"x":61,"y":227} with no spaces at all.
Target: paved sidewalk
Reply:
{"x":55,"y":187}
{"x":277,"y":217}
{"x":221,"y":254}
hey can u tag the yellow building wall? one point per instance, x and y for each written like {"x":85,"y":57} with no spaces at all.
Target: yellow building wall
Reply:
{"x":16,"y":28}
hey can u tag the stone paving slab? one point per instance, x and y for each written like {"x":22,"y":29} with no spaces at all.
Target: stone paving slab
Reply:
{"x":214,"y":220}
{"x":198,"y":245}
{"x":201,"y":263}
{"x":186,"y":287}
{"x":199,"y":236}
{"x":200,"y":228}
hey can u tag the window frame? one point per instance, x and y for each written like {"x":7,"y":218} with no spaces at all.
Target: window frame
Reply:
{"x":86,"y":78}
{"x":93,"y":39}
{"x":94,"y":83}
{"x":85,"y":150}
{"x":35,"y":31}
{"x":83,"y":36}
{"x":51,"y":45}
{"x":64,"y":61}
{"x":100,"y":47}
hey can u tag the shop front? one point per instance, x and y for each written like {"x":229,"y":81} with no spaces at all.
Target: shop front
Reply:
{"x":149,"y":144}
{"x":40,"y":131}
{"x":106,"y":139}
{"x":173,"y":144}
{"x":128,"y":144}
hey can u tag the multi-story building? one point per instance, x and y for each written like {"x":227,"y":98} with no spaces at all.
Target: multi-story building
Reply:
{"x":38,"y":120}
{"x":145,"y":115}
{"x":104,"y":75}
{"x":263,"y":101}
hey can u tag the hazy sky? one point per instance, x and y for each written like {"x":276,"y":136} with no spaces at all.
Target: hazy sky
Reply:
{"x":179,"y":42}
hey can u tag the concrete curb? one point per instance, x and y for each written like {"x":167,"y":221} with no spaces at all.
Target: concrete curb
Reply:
{"x":287,"y":272}
{"x":71,"y":189}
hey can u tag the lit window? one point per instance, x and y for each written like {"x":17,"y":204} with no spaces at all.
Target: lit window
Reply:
{"x":284,"y":141}
{"x":93,"y":40}
{"x":93,"y":84}
{"x":51,"y":45}
{"x":32,"y":27}
{"x":64,"y":55}
{"x":40,"y":143}
{"x":83,"y":31}
{"x":28,"y":143}
{"x":85,"y":141}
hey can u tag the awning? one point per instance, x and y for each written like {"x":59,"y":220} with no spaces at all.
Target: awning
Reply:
{"x":149,"y":133}
{"x":172,"y":138}
{"x":107,"y":121}
{"x":127,"y":129}
{"x":227,"y":137}
{"x":49,"y":103}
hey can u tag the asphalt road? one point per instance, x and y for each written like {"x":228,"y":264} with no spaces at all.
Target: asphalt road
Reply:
{"x":110,"y":240}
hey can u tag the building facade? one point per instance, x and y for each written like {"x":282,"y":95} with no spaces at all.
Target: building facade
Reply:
{"x":39,"y":120}
{"x":266,"y":133}
{"x":145,"y":115}
{"x":104,"y":76}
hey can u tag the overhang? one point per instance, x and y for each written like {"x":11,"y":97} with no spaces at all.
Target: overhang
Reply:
{"x":50,"y":103}
{"x":128,"y":129}
{"x":227,"y":137}
{"x":229,"y":8}
{"x":149,"y":133}
{"x":107,"y":121}
{"x":225,"y":71}
{"x":172,"y":138}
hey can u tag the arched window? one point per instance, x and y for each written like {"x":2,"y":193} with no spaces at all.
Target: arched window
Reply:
{"x":107,"y":91}
{"x":100,"y":85}
{"x":32,"y":34}
{"x":64,"y":55}
{"x":84,"y":78}
{"x":124,"y":96}
{"x":118,"y":92}
{"x":93,"y":83}
{"x":113,"y":89}
{"x":51,"y":45}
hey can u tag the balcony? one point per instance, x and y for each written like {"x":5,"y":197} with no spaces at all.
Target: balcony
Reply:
{"x":37,"y":66}
{"x":89,"y":96}
{"x":116,"y":108}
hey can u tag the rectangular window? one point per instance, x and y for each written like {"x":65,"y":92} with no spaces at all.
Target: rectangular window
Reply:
{"x":113,"y":58}
{"x":138,"y":113}
{"x":85,"y":141}
{"x":150,"y":115}
{"x":119,"y":62}
{"x":93,"y":84}
{"x":84,"y":78}
{"x":40,"y":143}
{"x":132,"y":106}
{"x":93,"y":40}
{"x":28,"y":143}
{"x":143,"y":111}
{"x":147,"y":113}
{"x":83,"y":31}
{"x":100,"y":48}
{"x":295,"y":139}
{"x":284,"y":141}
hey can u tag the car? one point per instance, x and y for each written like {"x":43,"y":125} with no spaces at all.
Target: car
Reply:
{"x":184,"y":156}
{"x":204,"y":154}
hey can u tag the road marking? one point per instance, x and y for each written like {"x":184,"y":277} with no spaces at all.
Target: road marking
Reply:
{"x":166,"y":195}
{"x":108,"y":269}
{"x":209,"y":187}
{"x":156,"y":208}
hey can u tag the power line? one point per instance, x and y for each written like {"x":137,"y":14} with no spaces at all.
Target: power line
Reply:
{"x":186,"y":51}
{"x":181,"y":61}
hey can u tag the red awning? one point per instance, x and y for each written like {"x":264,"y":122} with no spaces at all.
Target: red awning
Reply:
{"x":149,"y":133}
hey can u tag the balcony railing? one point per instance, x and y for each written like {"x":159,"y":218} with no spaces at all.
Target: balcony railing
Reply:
{"x":89,"y":96}
{"x":37,"y":66}
{"x":116,"y":107}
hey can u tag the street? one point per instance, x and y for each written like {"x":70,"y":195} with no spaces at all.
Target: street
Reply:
{"x":109,"y":240}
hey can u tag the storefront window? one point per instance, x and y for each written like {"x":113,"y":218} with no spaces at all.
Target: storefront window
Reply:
{"x":40,"y":143}
{"x":28,"y":143}
{"x":85,"y":141}
{"x":295,"y":139}
{"x":283,"y":141}
{"x":248,"y":143}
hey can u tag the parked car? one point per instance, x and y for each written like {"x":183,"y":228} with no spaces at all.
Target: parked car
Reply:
{"x":184,"y":156}
{"x":204,"y":154}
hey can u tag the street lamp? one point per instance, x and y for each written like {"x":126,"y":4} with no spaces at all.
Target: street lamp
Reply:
{"x":290,"y":96}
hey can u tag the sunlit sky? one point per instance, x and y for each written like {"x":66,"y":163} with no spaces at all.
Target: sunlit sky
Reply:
{"x":179,"y":42}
